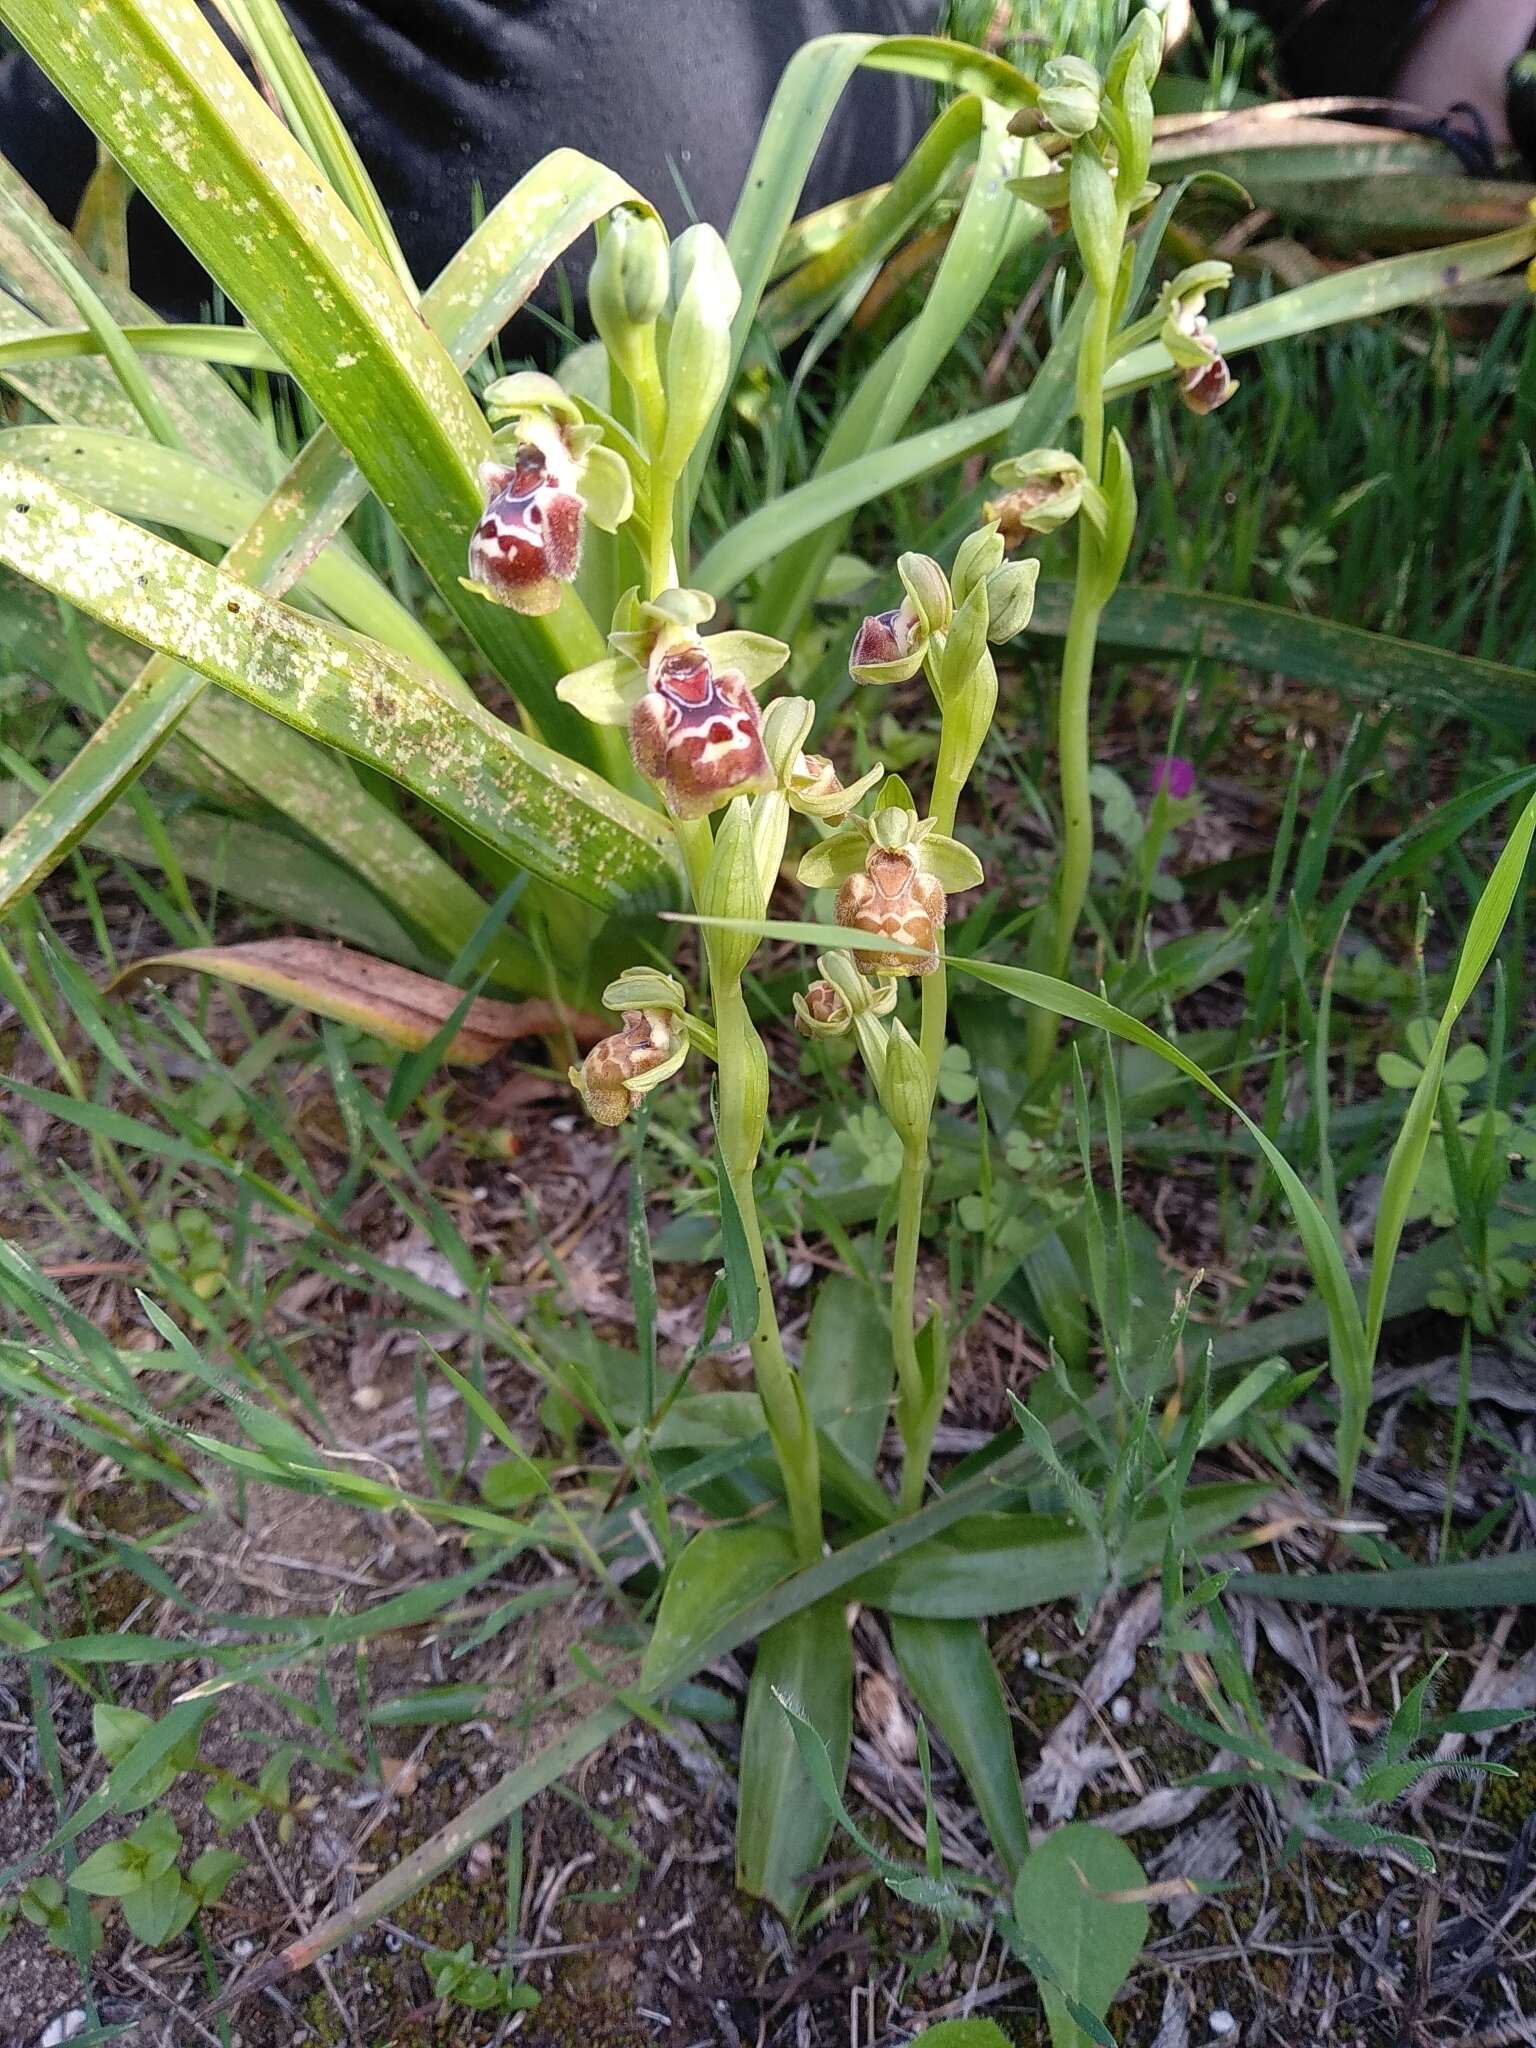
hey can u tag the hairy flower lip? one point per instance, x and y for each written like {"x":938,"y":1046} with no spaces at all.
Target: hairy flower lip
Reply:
{"x":528,"y":540}
{"x":650,"y":1046}
{"x":1210,"y":386}
{"x":888,"y":646}
{"x":894,"y":899}
{"x":697,"y":733}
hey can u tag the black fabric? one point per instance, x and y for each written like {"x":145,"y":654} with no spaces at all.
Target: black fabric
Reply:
{"x":444,"y":96}
{"x":1339,"y":46}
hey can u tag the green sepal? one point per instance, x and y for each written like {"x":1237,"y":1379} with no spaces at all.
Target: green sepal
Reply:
{"x":606,"y":691}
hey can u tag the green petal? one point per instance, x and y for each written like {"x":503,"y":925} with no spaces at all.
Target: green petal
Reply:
{"x":606,"y":691}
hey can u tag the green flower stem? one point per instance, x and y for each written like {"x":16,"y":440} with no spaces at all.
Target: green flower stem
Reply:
{"x":916,"y":1416}
{"x":1060,"y":925}
{"x":741,"y":1065}
{"x":742,"y":1062}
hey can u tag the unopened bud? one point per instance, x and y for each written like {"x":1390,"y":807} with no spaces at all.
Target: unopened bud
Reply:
{"x":1010,"y":599}
{"x":630,"y":272}
{"x":733,"y":888}
{"x":1041,"y":491}
{"x":975,"y":559}
{"x":1143,"y":41}
{"x":928,"y":591}
{"x":904,"y":1092}
{"x":1069,"y":95}
{"x":699,"y":346}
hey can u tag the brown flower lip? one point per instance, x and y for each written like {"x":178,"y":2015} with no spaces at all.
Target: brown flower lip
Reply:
{"x":699,"y":734}
{"x":894,"y":899}
{"x":1203,"y":389}
{"x":825,"y":1003}
{"x":883,"y":636}
{"x":645,"y":1042}
{"x":530,"y":532}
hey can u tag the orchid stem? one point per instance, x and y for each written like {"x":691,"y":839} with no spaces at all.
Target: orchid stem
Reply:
{"x":739,"y":1051}
{"x":1060,"y":921}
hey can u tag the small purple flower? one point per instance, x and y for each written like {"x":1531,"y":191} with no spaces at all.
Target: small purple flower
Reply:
{"x":1175,"y":776}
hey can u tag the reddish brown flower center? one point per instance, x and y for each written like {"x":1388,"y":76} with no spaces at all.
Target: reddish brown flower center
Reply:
{"x":686,"y":678}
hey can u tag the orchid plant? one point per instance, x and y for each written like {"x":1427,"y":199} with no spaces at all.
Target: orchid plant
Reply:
{"x":655,"y":758}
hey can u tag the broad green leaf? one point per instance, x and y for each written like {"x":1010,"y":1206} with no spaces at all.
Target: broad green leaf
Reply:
{"x":206,"y":413}
{"x":528,"y":803}
{"x":209,"y":1873}
{"x":204,"y":147}
{"x":477,"y":292}
{"x":719,"y":1571}
{"x":963,"y":2034}
{"x":847,"y":1367}
{"x":1363,"y":666}
{"x":159,"y":1910}
{"x":122,"y":1866}
{"x":1090,"y":1943}
{"x":393,"y":1003}
{"x":164,"y":487}
{"x":1001,"y":1563}
{"x":782,"y":1827}
{"x":949,"y":1666}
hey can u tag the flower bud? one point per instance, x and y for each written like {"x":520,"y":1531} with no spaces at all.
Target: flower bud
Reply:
{"x":699,"y":346}
{"x":904,"y":1092}
{"x":629,"y":1063}
{"x":786,"y":725}
{"x":975,"y":559}
{"x":733,"y":888}
{"x":888,"y":647}
{"x":1069,"y":95}
{"x":928,"y":591}
{"x":1010,"y":600}
{"x":894,"y":899}
{"x":631,"y":275}
{"x":1095,"y":216}
{"x":1143,"y":41}
{"x":1041,"y":491}
{"x":697,"y":733}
